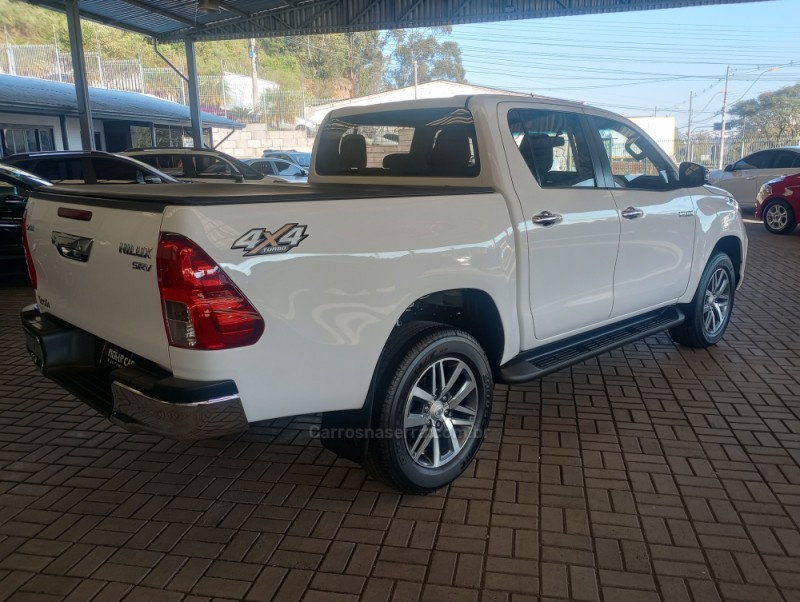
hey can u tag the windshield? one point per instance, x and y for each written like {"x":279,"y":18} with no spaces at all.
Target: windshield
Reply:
{"x":15,"y":176}
{"x":438,"y":142}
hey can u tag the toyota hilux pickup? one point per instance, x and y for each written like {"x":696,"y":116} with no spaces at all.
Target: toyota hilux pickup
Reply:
{"x":440,"y":247}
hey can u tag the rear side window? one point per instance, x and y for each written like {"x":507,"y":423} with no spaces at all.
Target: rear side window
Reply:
{"x":437,"y":142}
{"x":207,"y":166}
{"x":109,"y":171}
{"x":264,"y":167}
{"x":787,"y":159}
{"x":554,"y":147}
{"x":59,"y":169}
{"x":168,"y":163}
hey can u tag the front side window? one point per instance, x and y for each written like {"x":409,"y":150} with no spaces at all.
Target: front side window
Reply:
{"x":554,"y":147}
{"x":437,"y":142}
{"x":634,"y":160}
{"x":761,"y":160}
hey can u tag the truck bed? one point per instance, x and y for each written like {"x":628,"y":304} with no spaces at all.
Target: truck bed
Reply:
{"x":156,"y":197}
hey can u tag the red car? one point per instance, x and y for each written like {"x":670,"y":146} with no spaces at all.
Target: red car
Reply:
{"x":778,"y":204}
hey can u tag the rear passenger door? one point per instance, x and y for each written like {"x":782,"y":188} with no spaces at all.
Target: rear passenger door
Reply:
{"x":570,"y":222}
{"x":657,"y":217}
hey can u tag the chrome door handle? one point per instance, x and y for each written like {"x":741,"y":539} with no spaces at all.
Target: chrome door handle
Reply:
{"x":750,"y":178}
{"x":632,"y":213}
{"x":545,"y":218}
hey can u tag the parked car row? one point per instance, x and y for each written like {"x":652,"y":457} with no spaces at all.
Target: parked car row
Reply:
{"x":771,"y":178}
{"x":20,"y":174}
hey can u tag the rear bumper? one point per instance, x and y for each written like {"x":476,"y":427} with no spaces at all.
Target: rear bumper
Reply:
{"x":141,"y":398}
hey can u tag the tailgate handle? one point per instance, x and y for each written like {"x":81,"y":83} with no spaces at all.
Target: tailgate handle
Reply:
{"x":72,"y":247}
{"x":78,"y":214}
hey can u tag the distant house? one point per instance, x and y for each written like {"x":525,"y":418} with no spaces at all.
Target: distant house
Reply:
{"x":38,"y":114}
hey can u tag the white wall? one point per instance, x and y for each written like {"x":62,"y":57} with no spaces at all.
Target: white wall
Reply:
{"x":256,"y":138}
{"x":660,"y":129}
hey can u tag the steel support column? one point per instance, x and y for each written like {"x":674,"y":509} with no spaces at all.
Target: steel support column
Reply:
{"x":62,"y":121}
{"x":194,"y":94}
{"x":79,"y":73}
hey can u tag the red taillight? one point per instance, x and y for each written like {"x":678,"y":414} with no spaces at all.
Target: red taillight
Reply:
{"x":28,"y":256}
{"x":202,"y":307}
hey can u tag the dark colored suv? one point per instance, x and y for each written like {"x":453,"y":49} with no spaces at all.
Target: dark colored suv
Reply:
{"x":15,"y":187}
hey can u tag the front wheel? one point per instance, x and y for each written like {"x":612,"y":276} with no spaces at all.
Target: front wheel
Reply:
{"x":432,"y":415}
{"x":708,"y":314}
{"x":779,"y":217}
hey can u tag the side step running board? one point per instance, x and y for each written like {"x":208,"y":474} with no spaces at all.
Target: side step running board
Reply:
{"x":550,"y":358}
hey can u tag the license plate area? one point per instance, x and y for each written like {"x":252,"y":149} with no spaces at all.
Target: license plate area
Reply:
{"x":112,"y":357}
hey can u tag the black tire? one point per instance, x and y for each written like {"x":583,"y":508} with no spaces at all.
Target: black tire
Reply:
{"x":779,"y":217}
{"x":709,"y":313}
{"x":404,"y":454}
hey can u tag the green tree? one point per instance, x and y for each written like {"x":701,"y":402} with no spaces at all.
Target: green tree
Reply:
{"x":773,"y":114}
{"x":436,"y":58}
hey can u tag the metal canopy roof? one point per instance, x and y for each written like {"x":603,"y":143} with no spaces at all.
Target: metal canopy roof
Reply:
{"x":172,"y":20}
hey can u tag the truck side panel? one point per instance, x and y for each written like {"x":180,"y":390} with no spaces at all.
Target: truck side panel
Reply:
{"x":331,"y":301}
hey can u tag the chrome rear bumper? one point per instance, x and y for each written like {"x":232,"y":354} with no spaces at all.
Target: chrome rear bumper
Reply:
{"x":141,"y":398}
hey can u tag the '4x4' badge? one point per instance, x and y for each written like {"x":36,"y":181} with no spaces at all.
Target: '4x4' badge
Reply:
{"x":260,"y":241}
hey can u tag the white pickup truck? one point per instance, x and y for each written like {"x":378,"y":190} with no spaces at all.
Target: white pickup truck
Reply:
{"x":440,"y":247}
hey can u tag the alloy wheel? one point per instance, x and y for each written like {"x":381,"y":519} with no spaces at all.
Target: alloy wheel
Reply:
{"x":440,"y":412}
{"x":777,"y":217}
{"x":716,"y":304}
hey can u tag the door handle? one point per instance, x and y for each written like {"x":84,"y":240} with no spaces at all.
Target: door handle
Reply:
{"x":545,"y":218}
{"x":750,"y":178}
{"x":72,"y":247}
{"x":632,"y":213}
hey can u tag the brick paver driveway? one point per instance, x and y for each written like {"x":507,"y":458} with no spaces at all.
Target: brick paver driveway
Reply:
{"x":655,"y":472}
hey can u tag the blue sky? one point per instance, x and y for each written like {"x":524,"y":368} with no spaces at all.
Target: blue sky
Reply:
{"x":642,"y":63}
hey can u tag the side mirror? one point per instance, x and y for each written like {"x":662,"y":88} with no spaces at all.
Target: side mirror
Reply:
{"x":692,"y":175}
{"x":238,"y":178}
{"x":729,"y":167}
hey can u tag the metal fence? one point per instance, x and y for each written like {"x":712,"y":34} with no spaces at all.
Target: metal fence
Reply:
{"x":228,"y":94}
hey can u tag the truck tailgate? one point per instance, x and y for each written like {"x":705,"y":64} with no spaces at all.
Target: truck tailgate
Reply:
{"x":96,"y":269}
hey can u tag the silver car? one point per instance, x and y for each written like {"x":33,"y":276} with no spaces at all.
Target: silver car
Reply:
{"x":744,"y":178}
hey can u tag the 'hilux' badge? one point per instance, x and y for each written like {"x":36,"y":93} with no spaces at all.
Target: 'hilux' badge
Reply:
{"x":127,"y":248}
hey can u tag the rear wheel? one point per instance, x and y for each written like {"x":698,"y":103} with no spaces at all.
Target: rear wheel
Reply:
{"x":708,"y":314}
{"x":779,"y":217}
{"x":431,"y":417}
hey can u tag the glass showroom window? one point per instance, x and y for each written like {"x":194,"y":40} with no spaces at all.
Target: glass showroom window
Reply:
{"x":25,"y":140}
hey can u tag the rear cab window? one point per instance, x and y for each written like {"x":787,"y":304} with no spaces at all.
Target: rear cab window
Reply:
{"x":433,"y":142}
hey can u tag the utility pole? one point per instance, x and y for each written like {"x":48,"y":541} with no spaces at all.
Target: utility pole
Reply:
{"x":254,"y":69}
{"x":689,"y":149}
{"x":724,"y":116}
{"x":415,"y":79}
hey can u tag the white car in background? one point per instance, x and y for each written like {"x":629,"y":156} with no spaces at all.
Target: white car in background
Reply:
{"x":744,"y":178}
{"x":279,"y":169}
